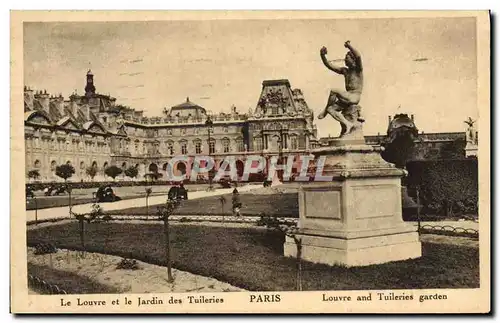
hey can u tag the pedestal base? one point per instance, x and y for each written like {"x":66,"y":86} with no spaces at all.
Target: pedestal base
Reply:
{"x":356,"y":252}
{"x":354,"y":217}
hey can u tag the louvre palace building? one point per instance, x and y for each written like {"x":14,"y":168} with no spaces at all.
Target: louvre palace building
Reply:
{"x":93,"y":130}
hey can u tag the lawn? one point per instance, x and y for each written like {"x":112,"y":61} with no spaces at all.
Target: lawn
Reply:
{"x":59,"y":201}
{"x":252,"y":258}
{"x":284,"y":205}
{"x":69,"y":282}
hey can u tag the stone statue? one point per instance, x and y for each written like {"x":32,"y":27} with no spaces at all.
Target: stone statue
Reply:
{"x":343,"y":105}
{"x":471,"y":131}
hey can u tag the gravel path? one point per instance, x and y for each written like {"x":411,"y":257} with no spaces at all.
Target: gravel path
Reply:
{"x":148,"y":279}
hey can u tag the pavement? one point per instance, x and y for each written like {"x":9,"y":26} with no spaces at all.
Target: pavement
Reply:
{"x":63,"y":212}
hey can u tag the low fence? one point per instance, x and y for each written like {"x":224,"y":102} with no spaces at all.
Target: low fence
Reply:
{"x":43,"y":287}
{"x":448,"y":230}
{"x":193,"y":218}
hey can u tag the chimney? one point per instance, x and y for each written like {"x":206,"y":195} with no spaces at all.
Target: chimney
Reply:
{"x":390,"y":119}
{"x":43,"y":98}
{"x":28,"y":97}
{"x":412,"y":117}
{"x":86,"y":111}
{"x":58,"y":103}
{"x":73,"y":106}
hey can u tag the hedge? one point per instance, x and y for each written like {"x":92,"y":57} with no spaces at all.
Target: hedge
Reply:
{"x":446,"y":187}
{"x":77,"y":185}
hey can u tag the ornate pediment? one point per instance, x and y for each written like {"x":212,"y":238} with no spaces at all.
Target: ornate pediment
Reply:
{"x":277,"y":99}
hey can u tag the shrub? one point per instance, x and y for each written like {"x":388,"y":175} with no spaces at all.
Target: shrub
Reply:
{"x":446,"y":186}
{"x":106,"y":218}
{"x":272,"y":221}
{"x":65,"y":171}
{"x":128,"y":264}
{"x":44,"y":248}
{"x":113,"y":171}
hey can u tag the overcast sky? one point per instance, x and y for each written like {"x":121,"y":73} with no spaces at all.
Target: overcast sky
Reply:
{"x":221,"y":63}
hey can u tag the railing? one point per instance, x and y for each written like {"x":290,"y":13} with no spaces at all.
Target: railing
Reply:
{"x":193,"y":218}
{"x":449,"y":229}
{"x":46,"y":288}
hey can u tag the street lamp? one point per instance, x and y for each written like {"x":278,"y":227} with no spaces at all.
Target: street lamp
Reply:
{"x":209,"y":123}
{"x":280,"y":149}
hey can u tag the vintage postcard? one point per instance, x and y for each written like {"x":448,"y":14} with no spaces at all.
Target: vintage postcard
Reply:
{"x":250,"y":162}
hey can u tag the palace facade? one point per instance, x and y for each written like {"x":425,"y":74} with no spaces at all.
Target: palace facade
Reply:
{"x":92,"y":130}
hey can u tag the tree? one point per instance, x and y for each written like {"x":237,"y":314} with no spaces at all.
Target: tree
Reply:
{"x":34,"y":174}
{"x":131,"y":172}
{"x":453,"y":150}
{"x":113,"y":171}
{"x":65,"y":171}
{"x":91,"y":171}
{"x":93,"y":216}
{"x":148,"y":192}
{"x":399,"y":150}
{"x":164,"y":212}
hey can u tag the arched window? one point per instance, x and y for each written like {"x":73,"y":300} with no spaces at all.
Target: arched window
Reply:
{"x":170,"y":148}
{"x":257,"y":144}
{"x":211,"y":146}
{"x":37,"y":164}
{"x":197,"y":146}
{"x":181,"y":167}
{"x":226,"y":145}
{"x":124,"y":165}
{"x":53,"y":165}
{"x":183,"y":145}
{"x":82,"y":165}
{"x":105,"y":165}
{"x":153,"y":168}
{"x":294,"y":144}
{"x":240,"y":167}
{"x":240,"y":145}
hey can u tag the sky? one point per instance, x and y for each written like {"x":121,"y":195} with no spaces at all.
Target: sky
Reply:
{"x":421,"y":66}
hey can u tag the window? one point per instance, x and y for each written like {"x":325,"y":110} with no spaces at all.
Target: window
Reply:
{"x":225,"y":145}
{"x":240,"y":146}
{"x":226,"y":129}
{"x":38,"y":164}
{"x":257,"y":144}
{"x":183,"y":131}
{"x":211,"y":147}
{"x":293,"y":142}
{"x":197,"y":146}
{"x":183,"y":148}
{"x":170,"y":148}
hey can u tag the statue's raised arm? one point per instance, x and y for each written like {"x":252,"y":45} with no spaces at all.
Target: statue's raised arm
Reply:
{"x":355,"y":53}
{"x":330,"y":66}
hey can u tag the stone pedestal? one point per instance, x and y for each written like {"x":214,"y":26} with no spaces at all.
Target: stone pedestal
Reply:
{"x":355,"y":217}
